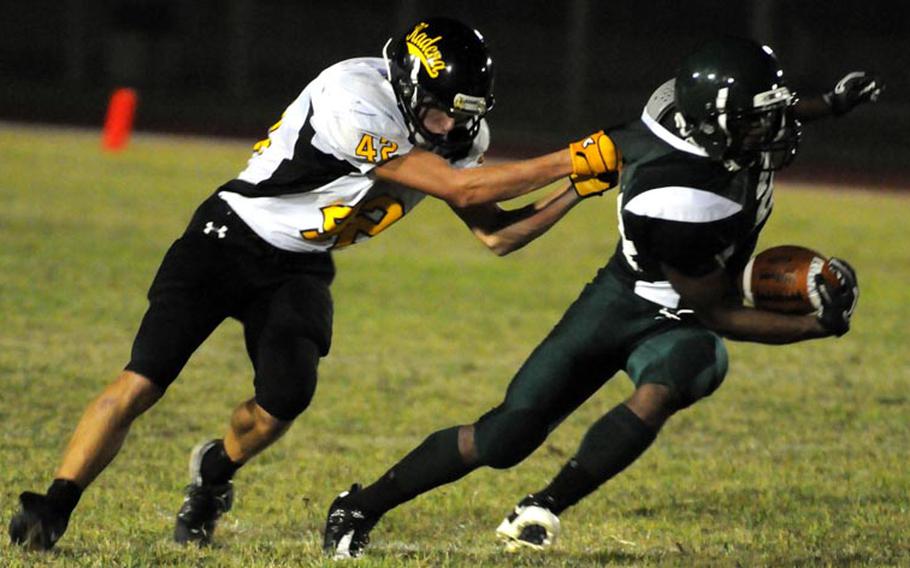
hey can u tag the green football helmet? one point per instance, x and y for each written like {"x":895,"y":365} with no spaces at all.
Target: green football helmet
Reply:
{"x":732,"y":100}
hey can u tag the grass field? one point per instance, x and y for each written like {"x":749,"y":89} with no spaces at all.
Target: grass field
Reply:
{"x":800,"y":459}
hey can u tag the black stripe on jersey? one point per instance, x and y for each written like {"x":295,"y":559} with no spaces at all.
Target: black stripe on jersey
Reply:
{"x":691,"y":248}
{"x":307,"y":170}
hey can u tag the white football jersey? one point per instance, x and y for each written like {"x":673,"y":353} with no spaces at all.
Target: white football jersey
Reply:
{"x":309,"y":186}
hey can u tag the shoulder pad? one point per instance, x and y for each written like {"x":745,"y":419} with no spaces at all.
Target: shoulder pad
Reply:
{"x":356,"y":117}
{"x":661,"y":101}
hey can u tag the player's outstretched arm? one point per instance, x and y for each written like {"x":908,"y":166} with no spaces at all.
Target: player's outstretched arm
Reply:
{"x":427,"y":172}
{"x":504,"y":231}
{"x":853,"y":89}
{"x":718,"y":306}
{"x":462,"y":188}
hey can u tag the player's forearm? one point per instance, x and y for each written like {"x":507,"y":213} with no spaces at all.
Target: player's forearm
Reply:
{"x":759,"y":326}
{"x":812,"y":108}
{"x":501,"y":182}
{"x":518,"y":227}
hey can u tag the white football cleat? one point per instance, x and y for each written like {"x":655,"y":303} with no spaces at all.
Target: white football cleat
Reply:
{"x":530,"y":525}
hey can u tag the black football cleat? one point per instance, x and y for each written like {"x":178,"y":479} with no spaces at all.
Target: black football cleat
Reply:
{"x":204,"y":503}
{"x":38,"y":525}
{"x":347,"y":529}
{"x":530,"y":526}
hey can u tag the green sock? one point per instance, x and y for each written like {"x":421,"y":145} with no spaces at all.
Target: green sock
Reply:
{"x":611,"y":444}
{"x":435,"y":462}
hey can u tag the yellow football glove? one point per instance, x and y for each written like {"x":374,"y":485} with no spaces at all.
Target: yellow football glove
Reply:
{"x":591,"y":186}
{"x":594,"y":155}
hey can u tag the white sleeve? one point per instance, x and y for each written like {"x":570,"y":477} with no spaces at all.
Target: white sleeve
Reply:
{"x":352,"y":129}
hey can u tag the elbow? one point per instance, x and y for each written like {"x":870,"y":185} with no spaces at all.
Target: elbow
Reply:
{"x":460,"y":199}
{"x":715,"y":320}
{"x":723,"y":331}
{"x":502,"y":249}
{"x":462,"y":191}
{"x":722,"y":321}
{"x":464,"y":197}
{"x":500,"y":243}
{"x":497,"y":245}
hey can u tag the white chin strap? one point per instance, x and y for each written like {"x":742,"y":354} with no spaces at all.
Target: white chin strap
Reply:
{"x":415,"y":69}
{"x":385,"y":57}
{"x":721,"y":103}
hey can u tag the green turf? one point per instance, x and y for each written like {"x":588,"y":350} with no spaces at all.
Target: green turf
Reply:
{"x":800,"y":459}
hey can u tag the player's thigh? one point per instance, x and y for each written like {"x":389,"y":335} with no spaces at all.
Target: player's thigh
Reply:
{"x":286,"y":332}
{"x":690,"y":360}
{"x":581,"y":352}
{"x":301,"y":306}
{"x":185,"y":306}
{"x":585,"y":349}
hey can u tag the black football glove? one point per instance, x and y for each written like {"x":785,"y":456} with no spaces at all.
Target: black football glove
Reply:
{"x":853,"y":89}
{"x":838,"y":304}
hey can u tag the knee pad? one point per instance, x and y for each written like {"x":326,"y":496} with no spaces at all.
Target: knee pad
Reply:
{"x":691,"y":361}
{"x":288,"y":402}
{"x":285,"y":384}
{"x":505,"y":437}
{"x":709,"y":375}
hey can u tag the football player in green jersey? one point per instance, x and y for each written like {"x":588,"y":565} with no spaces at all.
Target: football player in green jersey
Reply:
{"x":696,"y":190}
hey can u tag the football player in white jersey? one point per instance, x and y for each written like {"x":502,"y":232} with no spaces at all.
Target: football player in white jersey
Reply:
{"x":357,"y":150}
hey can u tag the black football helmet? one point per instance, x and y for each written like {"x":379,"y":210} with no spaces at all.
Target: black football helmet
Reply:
{"x":731,"y":99}
{"x":441,"y":63}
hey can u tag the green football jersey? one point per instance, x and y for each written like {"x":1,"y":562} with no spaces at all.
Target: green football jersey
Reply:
{"x":680,"y":208}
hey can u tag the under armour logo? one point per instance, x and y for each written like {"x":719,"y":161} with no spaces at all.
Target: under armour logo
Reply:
{"x":668,"y":313}
{"x":220,"y":231}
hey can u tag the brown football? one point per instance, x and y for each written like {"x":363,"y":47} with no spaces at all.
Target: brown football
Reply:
{"x":782,"y":279}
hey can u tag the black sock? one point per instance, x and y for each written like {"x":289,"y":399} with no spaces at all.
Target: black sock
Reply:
{"x":63,"y":495}
{"x":611,"y":444}
{"x":435,"y":462}
{"x":217,"y":468}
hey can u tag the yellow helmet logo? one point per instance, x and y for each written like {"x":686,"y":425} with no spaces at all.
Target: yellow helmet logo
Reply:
{"x":423,"y":47}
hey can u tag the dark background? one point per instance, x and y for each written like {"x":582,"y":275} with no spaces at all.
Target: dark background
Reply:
{"x":229,"y":67}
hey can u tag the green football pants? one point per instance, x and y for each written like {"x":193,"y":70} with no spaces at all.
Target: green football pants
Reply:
{"x":607,"y":329}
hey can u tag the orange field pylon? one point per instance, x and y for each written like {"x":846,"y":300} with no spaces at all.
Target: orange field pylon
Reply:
{"x":119,"y":122}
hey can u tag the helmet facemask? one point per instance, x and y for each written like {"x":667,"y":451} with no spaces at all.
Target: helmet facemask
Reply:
{"x":765,"y":133}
